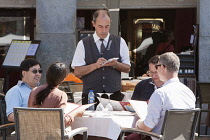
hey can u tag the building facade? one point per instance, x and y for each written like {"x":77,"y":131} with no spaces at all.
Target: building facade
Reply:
{"x":134,"y":20}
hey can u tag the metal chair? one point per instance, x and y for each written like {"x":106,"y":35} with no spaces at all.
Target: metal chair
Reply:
{"x":76,"y":87}
{"x":204,"y":98}
{"x":5,"y":125}
{"x":43,"y":124}
{"x":177,"y":125}
{"x":2,"y":96}
{"x":64,"y":86}
{"x":3,"y":129}
{"x":3,"y":115}
{"x":1,"y":85}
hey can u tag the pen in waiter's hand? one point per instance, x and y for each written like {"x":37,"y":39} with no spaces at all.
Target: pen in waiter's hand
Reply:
{"x":80,"y":100}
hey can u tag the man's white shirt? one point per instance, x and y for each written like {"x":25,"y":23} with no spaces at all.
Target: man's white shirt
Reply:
{"x":79,"y":56}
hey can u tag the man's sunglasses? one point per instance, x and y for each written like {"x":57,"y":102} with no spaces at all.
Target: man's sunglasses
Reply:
{"x":158,"y":65}
{"x":35,"y":71}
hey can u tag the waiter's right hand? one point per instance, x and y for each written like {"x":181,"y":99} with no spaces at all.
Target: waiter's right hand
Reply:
{"x":100,"y":62}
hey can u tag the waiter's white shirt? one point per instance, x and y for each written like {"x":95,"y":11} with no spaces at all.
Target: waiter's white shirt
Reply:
{"x":79,"y":55}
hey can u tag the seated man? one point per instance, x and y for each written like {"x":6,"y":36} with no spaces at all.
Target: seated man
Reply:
{"x":71,"y":76}
{"x":166,"y":97}
{"x":145,"y":88}
{"x":18,"y":95}
{"x":172,"y":95}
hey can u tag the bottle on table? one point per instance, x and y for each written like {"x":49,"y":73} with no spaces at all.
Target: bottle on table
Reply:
{"x":91,"y":99}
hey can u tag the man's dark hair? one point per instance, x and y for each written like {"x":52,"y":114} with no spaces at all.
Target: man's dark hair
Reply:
{"x":154,"y":59}
{"x":96,"y":13}
{"x":27,"y":63}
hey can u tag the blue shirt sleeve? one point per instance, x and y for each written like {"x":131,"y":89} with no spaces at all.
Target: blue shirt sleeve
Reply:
{"x":17,"y":97}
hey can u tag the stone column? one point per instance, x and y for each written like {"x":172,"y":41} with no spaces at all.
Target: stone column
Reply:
{"x":113,"y":6}
{"x":55,"y":27}
{"x":204,"y":40}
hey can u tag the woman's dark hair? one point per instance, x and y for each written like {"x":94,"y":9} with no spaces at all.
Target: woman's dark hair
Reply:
{"x":55,"y":75}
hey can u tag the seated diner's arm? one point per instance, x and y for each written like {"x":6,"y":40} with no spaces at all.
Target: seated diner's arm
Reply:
{"x":11,"y":117}
{"x":69,"y":118}
{"x":140,"y":124}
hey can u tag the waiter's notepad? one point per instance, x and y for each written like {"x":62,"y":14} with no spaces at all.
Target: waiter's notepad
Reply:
{"x":110,"y":60}
{"x":140,"y":108}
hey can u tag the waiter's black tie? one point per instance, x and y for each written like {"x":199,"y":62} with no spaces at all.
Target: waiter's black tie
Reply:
{"x":102,"y":46}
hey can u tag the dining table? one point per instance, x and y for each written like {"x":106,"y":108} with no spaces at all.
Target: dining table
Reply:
{"x":105,"y":125}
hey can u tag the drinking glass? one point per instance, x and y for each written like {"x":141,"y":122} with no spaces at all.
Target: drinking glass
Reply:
{"x":109,"y":105}
{"x":99,"y":107}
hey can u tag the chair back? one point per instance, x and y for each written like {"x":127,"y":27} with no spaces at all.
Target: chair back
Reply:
{"x":204,"y":98}
{"x":6,"y":127}
{"x":77,"y":87}
{"x":3,"y":115}
{"x":39,"y":123}
{"x":1,"y":85}
{"x":64,"y":86}
{"x":204,"y":92}
{"x":180,"y":124}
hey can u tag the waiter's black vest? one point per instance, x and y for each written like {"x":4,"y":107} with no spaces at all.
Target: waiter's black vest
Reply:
{"x":106,"y":78}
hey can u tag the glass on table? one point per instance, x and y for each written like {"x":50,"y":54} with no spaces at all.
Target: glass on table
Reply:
{"x":109,"y":105}
{"x":100,"y":106}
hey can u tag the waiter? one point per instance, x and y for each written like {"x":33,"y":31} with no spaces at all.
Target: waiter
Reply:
{"x":91,"y":54}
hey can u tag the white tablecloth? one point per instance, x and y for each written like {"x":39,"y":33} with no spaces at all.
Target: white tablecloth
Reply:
{"x":127,"y":96}
{"x":105,"y":126}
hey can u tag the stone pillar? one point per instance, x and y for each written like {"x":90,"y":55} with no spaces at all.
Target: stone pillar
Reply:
{"x":113,"y":6}
{"x":204,"y":40}
{"x":55,"y":27}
